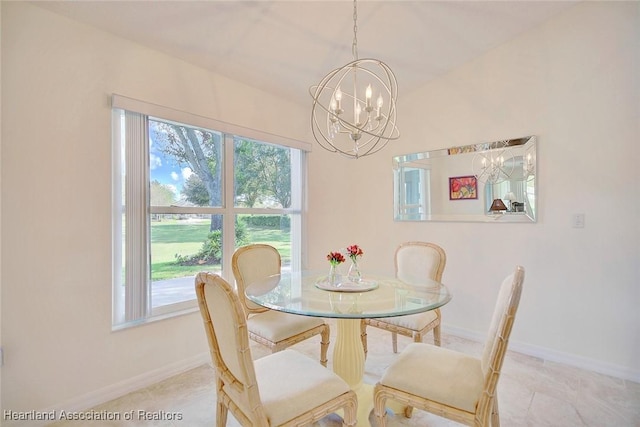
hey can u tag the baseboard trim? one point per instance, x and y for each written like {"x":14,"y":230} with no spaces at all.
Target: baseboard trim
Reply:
{"x":113,"y":391}
{"x":553,"y":355}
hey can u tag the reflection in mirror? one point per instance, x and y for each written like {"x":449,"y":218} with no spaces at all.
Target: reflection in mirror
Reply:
{"x":494,"y":181}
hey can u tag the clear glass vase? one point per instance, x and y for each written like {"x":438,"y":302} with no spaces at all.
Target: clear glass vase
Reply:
{"x":334,"y":278}
{"x":354,"y":275}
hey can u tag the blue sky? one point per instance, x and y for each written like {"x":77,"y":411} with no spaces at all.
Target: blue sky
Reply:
{"x":163,"y":169}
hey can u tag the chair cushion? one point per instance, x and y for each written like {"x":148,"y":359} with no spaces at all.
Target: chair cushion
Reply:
{"x":412,"y":321}
{"x":437,"y":374}
{"x":291,"y":384}
{"x":276,"y":325}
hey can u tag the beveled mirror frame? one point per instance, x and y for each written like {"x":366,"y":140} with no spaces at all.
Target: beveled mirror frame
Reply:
{"x":424,"y":191}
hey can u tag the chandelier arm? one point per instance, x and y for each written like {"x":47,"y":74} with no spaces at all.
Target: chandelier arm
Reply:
{"x":390,"y":109}
{"x":331,"y":148}
{"x":377,"y":146}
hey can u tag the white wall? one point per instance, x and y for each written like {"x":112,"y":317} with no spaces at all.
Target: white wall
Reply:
{"x":574,"y":87}
{"x":57,"y":77}
{"x":573,"y":82}
{"x":0,"y":214}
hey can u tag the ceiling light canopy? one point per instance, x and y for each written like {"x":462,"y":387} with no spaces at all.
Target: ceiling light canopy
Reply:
{"x":354,"y":106}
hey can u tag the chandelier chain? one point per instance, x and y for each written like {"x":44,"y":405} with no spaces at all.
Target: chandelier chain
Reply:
{"x":354,"y":46}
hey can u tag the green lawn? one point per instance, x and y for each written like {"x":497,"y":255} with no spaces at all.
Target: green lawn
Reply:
{"x":171,"y":237}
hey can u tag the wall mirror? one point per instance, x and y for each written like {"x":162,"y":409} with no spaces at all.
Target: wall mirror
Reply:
{"x":487,"y":182}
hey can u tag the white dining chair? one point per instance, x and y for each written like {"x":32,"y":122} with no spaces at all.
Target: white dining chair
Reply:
{"x":282,"y":389}
{"x":452,"y":384}
{"x":414,"y":262}
{"x":274,"y":329}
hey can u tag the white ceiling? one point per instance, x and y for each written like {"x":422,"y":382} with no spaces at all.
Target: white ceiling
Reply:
{"x":286,"y":46}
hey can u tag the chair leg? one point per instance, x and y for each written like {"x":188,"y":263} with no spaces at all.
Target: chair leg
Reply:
{"x":324,"y":345}
{"x":417,"y":337}
{"x":394,"y":341}
{"x":350,"y":416}
{"x":495,"y":416}
{"x":380,"y":410}
{"x":221,"y":407}
{"x":408,"y":411}
{"x":363,"y":337}
{"x":437,"y":335}
{"x":221,"y":414}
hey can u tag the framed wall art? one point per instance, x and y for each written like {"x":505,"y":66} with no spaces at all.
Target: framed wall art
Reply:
{"x":463,"y":187}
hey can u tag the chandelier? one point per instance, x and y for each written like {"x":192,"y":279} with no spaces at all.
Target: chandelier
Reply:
{"x":495,"y":164}
{"x":344,"y":117}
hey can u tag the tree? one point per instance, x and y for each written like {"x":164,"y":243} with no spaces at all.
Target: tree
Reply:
{"x":279,"y":177}
{"x":195,"y":191}
{"x":261,"y":171}
{"x":200,"y":150}
{"x":161,"y":194}
{"x":248,"y":172}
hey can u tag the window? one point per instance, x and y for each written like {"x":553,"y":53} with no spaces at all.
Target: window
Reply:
{"x":412,"y":185}
{"x":188,"y":191}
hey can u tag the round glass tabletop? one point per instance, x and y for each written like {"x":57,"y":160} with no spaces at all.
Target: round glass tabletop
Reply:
{"x":309,"y":293}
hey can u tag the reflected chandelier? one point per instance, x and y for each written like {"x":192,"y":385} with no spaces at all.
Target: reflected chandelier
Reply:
{"x":495,"y":164}
{"x":348,"y":122}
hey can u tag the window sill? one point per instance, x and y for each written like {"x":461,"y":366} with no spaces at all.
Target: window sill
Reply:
{"x":190,"y":309}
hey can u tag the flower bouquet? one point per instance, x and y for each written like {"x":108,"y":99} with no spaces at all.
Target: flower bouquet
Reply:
{"x":354,"y":274}
{"x":335,"y":259}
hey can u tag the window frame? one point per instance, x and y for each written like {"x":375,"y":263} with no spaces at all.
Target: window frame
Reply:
{"x":138,"y":292}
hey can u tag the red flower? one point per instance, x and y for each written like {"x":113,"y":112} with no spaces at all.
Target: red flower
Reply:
{"x":354,"y":251}
{"x":335,"y":258}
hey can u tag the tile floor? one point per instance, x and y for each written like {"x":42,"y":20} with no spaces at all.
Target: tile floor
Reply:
{"x":532,"y":392}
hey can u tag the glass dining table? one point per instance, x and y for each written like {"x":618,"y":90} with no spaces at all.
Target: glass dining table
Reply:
{"x":308,"y":293}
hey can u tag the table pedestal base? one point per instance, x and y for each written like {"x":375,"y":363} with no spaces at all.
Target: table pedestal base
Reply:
{"x":348,"y":354}
{"x":348,"y":363}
